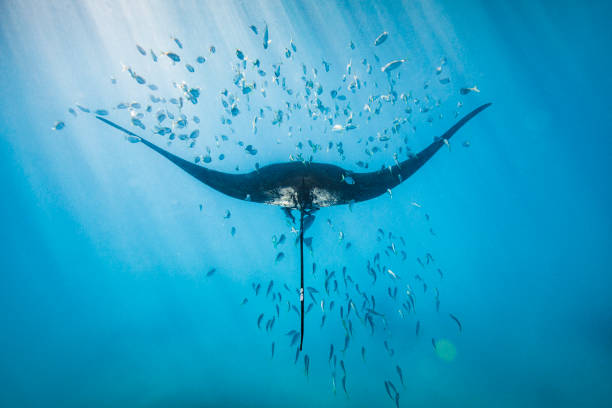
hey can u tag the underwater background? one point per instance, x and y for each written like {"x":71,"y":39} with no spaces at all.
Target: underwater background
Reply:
{"x":117,"y":289}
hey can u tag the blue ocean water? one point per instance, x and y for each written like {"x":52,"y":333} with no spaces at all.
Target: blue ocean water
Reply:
{"x":105,"y":293}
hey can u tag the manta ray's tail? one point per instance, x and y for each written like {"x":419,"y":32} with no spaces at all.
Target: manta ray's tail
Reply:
{"x":302,"y":277}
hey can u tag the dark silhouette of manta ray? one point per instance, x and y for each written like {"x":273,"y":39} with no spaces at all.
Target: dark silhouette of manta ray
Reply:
{"x":306,"y":187}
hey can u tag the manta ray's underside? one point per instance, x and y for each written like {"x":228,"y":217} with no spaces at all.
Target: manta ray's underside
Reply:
{"x":307,"y":186}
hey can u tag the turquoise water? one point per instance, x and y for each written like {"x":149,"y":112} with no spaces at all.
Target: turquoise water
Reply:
{"x":104,"y":293}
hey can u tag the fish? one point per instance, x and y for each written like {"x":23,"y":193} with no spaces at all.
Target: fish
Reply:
{"x":244,"y":301}
{"x":381,"y":38}
{"x":270,"y":285}
{"x":344,"y":384}
{"x":465,"y":91}
{"x":259,"y":320}
{"x":141,"y":50}
{"x":305,"y":188}
{"x":306,"y":363}
{"x":399,"y":373}
{"x":331,"y":353}
{"x":456,"y":321}
{"x":363,"y":351}
{"x":388,"y":389}
{"x":178,"y":42}
{"x":392,"y":387}
{"x":272,"y":356}
{"x":279,"y":257}
{"x":254,"y":29}
{"x":294,"y":339}
{"x":392,"y":65}
{"x":59,"y":125}
{"x":346,"y":342}
{"x":174,"y":57}
{"x":418,"y":327}
{"x":211,"y":271}
{"x":348,"y":179}
{"x":189,"y":68}
{"x":266,"y":40}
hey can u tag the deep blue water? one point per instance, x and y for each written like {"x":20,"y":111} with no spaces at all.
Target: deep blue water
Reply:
{"x":104,"y":293}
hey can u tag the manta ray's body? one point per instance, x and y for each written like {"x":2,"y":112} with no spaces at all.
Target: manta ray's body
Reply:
{"x":307,"y":186}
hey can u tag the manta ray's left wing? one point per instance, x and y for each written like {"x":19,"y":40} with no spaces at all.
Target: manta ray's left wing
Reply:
{"x":244,"y":186}
{"x":373,"y":184}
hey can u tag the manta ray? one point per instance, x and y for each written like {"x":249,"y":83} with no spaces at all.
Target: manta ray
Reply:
{"x":307,"y":186}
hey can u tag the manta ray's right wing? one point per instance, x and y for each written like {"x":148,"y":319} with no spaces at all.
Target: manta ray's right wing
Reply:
{"x":241,"y":186}
{"x":373,"y":184}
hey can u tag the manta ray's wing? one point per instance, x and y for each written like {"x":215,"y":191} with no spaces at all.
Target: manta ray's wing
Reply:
{"x":244,"y":186}
{"x":373,"y":184}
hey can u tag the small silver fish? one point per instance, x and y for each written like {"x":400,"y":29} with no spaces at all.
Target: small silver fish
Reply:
{"x":456,"y":321}
{"x":174,"y":57}
{"x":392,"y":65}
{"x":399,"y":373}
{"x":465,"y":91}
{"x":266,"y":40}
{"x":259,"y":320}
{"x":381,"y":39}
{"x":306,"y":363}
